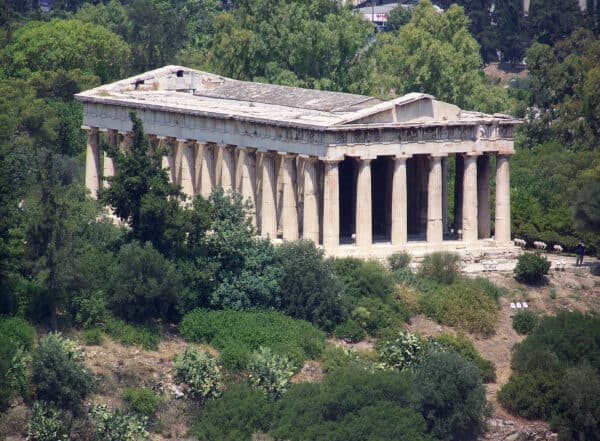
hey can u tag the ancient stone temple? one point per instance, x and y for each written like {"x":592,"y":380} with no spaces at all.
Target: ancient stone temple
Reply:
{"x":355,"y":174}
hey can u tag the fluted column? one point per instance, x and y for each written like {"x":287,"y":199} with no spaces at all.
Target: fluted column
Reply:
{"x":483,"y":196}
{"x":434,"y":201}
{"x":364,"y":213}
{"x":92,"y":162}
{"x":399,"y":202}
{"x":331,"y":204}
{"x":458,"y":191}
{"x":248,"y":184}
{"x":178,"y":145}
{"x":228,"y":168}
{"x":502,"y":224}
{"x":109,"y":163}
{"x":470,"y":230}
{"x":289,"y":210}
{"x":187,"y":168}
{"x":268,"y":213}
{"x":310,"y":218}
{"x":445,"y":195}
{"x":207,"y":172}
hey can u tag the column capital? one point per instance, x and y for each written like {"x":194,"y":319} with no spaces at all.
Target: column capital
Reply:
{"x":472,"y":154}
{"x":402,"y":156}
{"x":438,"y":155}
{"x":287,"y":155}
{"x":330,"y":160}
{"x":90,"y":129}
{"x":505,"y":152}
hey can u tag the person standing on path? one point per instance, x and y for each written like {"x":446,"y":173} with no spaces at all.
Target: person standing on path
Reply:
{"x":579,"y":251}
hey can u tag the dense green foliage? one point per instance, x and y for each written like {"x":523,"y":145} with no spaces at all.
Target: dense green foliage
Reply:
{"x":531,"y":268}
{"x":116,"y":425}
{"x":270,"y":372}
{"x":143,"y":400}
{"x":441,"y":267}
{"x":402,"y":353}
{"x":200,"y":373}
{"x":463,"y":346}
{"x":524,"y":322}
{"x":17,"y":331}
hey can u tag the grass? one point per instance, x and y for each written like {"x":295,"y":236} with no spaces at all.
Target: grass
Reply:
{"x":130,"y":335}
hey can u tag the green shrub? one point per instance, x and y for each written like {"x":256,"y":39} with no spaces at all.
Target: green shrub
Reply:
{"x":531,"y":395}
{"x":442,"y":267}
{"x":524,"y":322}
{"x":58,"y":373}
{"x":7,"y":352}
{"x":350,"y":331}
{"x":253,"y":329}
{"x":350,"y":405}
{"x":531,"y":268}
{"x":451,"y":396}
{"x":129,"y":335}
{"x":89,"y":310}
{"x":142,"y":400}
{"x":19,"y":331}
{"x":310,"y":289}
{"x":239,"y":413}
{"x":402,"y":353}
{"x":270,"y":372}
{"x":534,"y":359}
{"x":380,"y":317}
{"x":398,"y":260}
{"x":93,"y":337}
{"x":336,"y":358}
{"x":116,"y":425}
{"x":461,"y":344}
{"x":199,"y":371}
{"x":47,"y":423}
{"x":364,"y":278}
{"x":234,"y":356}
{"x":464,"y":304}
{"x":493,"y":291}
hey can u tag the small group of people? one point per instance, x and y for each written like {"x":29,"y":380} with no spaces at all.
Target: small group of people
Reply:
{"x":579,"y":252}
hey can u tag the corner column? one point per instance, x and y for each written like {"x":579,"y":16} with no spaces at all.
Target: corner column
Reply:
{"x":483,"y":196}
{"x":434,"y":201}
{"x":109,"y":163}
{"x":310,"y":219}
{"x":289,"y":215}
{"x":331,"y":204}
{"x":470,"y":230}
{"x":92,"y":162}
{"x":364,"y":214}
{"x":268,"y":218}
{"x":399,"y":202}
{"x":502,"y":224}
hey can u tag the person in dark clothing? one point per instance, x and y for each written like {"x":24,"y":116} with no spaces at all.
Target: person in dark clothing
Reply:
{"x":579,"y":251}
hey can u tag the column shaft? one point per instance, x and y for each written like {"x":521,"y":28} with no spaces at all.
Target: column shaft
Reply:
{"x":92,"y":162}
{"x":207,"y":172}
{"x":434,"y":201}
{"x":311,"y":203}
{"x":483,"y":196}
{"x":109,"y":163}
{"x":268,"y":218}
{"x":445,"y":195}
{"x":331,"y":205}
{"x":458,"y":192}
{"x":248,"y":184}
{"x":399,"y":203}
{"x":228,"y":168}
{"x":470,"y":230}
{"x":187,"y":168}
{"x":289,"y":210}
{"x":502,"y":224}
{"x":364,"y":214}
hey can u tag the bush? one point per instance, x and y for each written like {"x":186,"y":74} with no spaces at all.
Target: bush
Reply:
{"x":531,"y":395}
{"x":380,"y":317}
{"x":143,"y":284}
{"x":128,"y":335}
{"x":451,"y":397}
{"x":524,"y":322}
{"x":531,"y":268}
{"x":270,"y":372}
{"x":464,"y":304}
{"x":47,"y":423}
{"x":398,"y":260}
{"x":364,"y":278}
{"x":464,"y":347}
{"x":234,"y":356}
{"x":89,"y":310}
{"x":115,"y":425}
{"x":19,"y":331}
{"x":239,"y":413}
{"x":58,"y":373}
{"x":93,"y":337}
{"x":442,"y":267}
{"x":199,"y":371}
{"x":253,"y":329}
{"x":141,"y":400}
{"x":338,"y":358}
{"x":402,"y":353}
{"x":310,"y":289}
{"x":350,"y":331}
{"x":8,"y":351}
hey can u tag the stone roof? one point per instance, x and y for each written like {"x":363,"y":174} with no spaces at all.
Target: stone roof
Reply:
{"x":185,"y":90}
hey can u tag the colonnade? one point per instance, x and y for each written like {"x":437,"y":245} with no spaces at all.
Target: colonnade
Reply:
{"x":299,"y":196}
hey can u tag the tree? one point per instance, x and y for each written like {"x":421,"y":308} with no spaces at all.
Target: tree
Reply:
{"x":397,"y":18}
{"x":552,"y":20}
{"x":511,"y":36}
{"x":587,"y":201}
{"x":141,"y":194}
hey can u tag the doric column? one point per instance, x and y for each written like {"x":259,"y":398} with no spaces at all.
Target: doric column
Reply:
{"x":399,"y":202}
{"x":178,"y":145}
{"x":187,"y":167}
{"x":289,"y":210}
{"x":239,"y":169}
{"x":502,"y":224}
{"x":364,"y":214}
{"x":168,"y":160}
{"x":331,"y":204}
{"x":207,"y":171}
{"x":483,"y":196}
{"x":109,"y":163}
{"x":92,"y":162}
{"x":268,"y":213}
{"x":310,"y":217}
{"x":434,"y":201}
{"x":445,"y":195}
{"x":458,"y":191}
{"x":227,"y":168}
{"x":248,"y":184}
{"x":470,"y":199}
